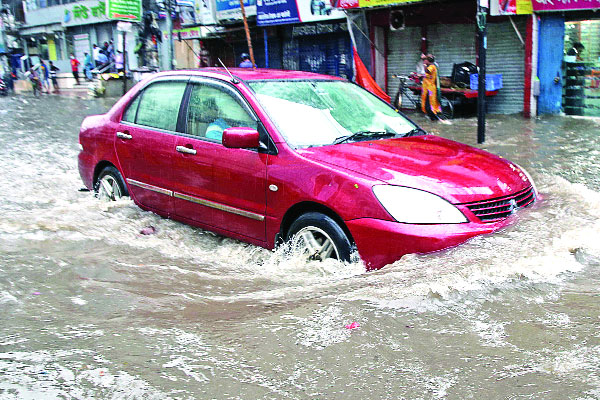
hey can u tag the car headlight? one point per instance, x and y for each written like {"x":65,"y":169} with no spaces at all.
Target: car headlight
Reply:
{"x":413,"y":206}
{"x":535,"y":191}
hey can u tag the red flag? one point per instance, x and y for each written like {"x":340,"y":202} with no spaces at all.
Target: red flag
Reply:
{"x":365,"y":80}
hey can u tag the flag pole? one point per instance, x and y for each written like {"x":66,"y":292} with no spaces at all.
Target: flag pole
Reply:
{"x":248,"y":39}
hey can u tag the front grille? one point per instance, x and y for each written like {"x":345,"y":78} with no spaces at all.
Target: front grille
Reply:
{"x":493,"y":210}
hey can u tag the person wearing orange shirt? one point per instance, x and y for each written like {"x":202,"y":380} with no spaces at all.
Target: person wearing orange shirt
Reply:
{"x":75,"y":67}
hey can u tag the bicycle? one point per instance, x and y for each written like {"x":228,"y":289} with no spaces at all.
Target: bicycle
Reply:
{"x":403,"y":89}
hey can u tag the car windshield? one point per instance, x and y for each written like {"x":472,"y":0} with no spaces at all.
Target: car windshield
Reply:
{"x":320,"y":112}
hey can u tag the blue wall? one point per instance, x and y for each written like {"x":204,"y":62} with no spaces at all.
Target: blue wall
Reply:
{"x":550,"y":58}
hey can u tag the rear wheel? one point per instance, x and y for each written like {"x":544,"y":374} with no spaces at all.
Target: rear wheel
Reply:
{"x":319,"y":237}
{"x":447,"y":108}
{"x":110,"y":185}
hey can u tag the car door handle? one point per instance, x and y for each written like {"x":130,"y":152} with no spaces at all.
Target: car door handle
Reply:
{"x":183,"y":149}
{"x":124,"y":135}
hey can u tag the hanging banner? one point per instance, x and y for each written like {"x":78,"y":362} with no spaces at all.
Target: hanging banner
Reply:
{"x":348,"y":4}
{"x":229,"y":10}
{"x":511,"y":7}
{"x":564,"y":5}
{"x":275,"y":12}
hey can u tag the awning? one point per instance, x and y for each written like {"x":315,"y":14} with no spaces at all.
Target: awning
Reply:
{"x":41,"y":29}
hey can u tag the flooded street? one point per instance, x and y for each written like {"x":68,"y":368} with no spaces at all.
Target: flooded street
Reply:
{"x":91,"y":308}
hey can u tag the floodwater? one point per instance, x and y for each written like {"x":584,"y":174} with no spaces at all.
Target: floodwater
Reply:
{"x":90,"y":308}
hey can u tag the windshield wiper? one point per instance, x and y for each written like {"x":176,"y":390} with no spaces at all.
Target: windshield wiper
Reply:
{"x":361,"y":135}
{"x":415,"y":132}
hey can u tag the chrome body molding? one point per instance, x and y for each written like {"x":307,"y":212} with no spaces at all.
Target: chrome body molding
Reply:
{"x":149,"y":187}
{"x":219,"y":206}
{"x":196,"y":200}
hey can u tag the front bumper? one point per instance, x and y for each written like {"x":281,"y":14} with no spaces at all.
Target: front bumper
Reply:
{"x":381,"y":242}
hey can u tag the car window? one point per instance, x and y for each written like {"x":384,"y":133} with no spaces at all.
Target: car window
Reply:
{"x":212,"y":109}
{"x":159,"y":106}
{"x":130,"y":113}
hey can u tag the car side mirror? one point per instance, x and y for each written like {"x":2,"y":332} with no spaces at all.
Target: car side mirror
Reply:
{"x":240,"y":138}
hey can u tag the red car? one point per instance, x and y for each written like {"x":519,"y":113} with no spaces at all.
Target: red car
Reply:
{"x":266,"y":156}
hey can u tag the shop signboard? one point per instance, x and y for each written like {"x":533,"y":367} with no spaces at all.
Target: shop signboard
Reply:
{"x":347,"y":4}
{"x":124,"y":10}
{"x":511,"y":7}
{"x":230,"y":10}
{"x":275,"y":12}
{"x":84,"y":13}
{"x":196,"y":32}
{"x":564,"y":5}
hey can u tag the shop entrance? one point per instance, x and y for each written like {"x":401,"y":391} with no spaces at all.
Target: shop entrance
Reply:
{"x":581,"y":68}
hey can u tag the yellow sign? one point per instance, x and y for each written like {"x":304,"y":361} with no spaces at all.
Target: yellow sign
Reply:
{"x":375,"y":3}
{"x":524,"y":7}
{"x":51,"y":50}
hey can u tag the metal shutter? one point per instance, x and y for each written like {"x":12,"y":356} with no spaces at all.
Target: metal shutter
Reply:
{"x":404,"y":50}
{"x":325,"y":54}
{"x":506,"y":56}
{"x":451,"y":44}
{"x":455,"y":43}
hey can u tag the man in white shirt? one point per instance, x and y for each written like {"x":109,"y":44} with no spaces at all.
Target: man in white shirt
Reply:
{"x":96,"y":54}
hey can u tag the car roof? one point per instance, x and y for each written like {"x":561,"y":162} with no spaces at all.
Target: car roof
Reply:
{"x":251,"y":74}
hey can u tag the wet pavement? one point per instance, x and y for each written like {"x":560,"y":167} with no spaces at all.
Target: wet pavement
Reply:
{"x":92,"y":308}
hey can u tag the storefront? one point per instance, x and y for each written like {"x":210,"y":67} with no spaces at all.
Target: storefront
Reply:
{"x":43,"y":35}
{"x":313,"y":36}
{"x":86,"y":24}
{"x":581,"y":71}
{"x":569,"y":54}
{"x":447,"y":31}
{"x":54,"y":32}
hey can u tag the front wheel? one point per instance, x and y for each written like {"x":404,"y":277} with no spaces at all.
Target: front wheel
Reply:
{"x":110,"y":185}
{"x":319,"y":237}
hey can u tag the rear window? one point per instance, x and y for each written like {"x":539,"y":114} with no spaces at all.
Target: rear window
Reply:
{"x":159,"y":105}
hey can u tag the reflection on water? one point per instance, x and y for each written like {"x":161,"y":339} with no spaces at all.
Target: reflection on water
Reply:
{"x":91,"y":308}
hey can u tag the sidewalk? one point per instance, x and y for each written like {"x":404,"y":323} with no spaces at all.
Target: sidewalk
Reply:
{"x":66,"y":83}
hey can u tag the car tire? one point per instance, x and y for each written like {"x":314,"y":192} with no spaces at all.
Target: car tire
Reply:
{"x":320,"y":237}
{"x":110,"y":185}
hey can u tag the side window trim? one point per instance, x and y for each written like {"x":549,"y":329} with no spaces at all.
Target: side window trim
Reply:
{"x":183,"y":109}
{"x":271,"y":147}
{"x":140,"y":94}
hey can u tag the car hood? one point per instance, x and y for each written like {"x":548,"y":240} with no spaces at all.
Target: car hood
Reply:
{"x":453,"y":170}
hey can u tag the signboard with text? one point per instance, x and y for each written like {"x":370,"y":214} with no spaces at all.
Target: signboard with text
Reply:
{"x":124,"y":10}
{"x":348,"y":4}
{"x":275,"y":12}
{"x":231,"y":10}
{"x":564,"y":5}
{"x":511,"y":7}
{"x":84,"y":13}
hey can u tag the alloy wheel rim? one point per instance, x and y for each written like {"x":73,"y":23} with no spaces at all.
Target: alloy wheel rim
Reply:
{"x":315,"y":243}
{"x":109,"y":189}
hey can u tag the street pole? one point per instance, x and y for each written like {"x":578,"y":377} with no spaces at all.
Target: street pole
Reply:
{"x":124,"y":62}
{"x":482,"y":47}
{"x":248,"y":39}
{"x":170,"y":39}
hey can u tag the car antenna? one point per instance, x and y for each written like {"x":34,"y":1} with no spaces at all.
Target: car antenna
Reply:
{"x":233,"y":79}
